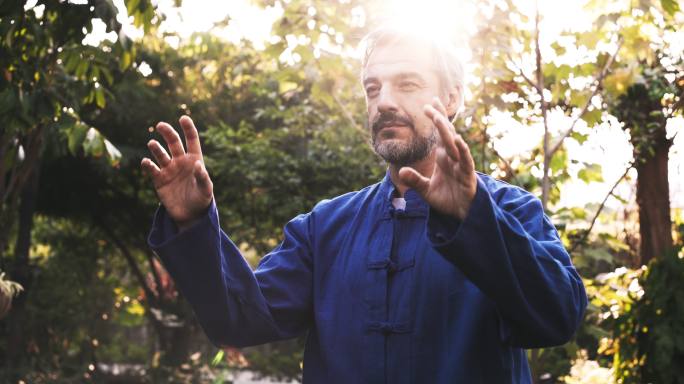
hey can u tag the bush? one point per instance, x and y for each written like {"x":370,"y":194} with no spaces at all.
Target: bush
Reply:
{"x":650,"y":333}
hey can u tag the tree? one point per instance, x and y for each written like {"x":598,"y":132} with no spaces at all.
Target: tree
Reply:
{"x":48,"y":77}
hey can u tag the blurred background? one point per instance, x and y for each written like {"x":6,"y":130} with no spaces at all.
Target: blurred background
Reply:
{"x":580,"y":102}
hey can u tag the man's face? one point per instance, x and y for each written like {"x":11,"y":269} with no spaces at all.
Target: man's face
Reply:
{"x":399,"y":79}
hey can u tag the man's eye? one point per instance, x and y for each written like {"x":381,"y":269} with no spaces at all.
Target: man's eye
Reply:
{"x":408,"y":85}
{"x":372,"y":90}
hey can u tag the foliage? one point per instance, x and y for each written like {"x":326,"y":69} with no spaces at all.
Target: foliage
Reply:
{"x":650,"y":333}
{"x":283,"y":128}
{"x":636,"y":315}
{"x":80,"y":285}
{"x":49,"y":78}
{"x":647,"y":104}
{"x":585,"y":371}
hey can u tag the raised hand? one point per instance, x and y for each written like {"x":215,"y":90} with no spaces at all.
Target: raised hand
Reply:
{"x":452,"y":186}
{"x":181,"y":180}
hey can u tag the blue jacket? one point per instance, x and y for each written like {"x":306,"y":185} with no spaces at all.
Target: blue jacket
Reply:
{"x":387,"y":295}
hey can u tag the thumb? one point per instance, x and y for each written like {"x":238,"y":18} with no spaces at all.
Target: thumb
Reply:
{"x":202,"y":176}
{"x":414,"y":180}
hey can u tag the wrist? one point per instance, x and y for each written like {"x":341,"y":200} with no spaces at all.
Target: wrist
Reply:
{"x":185,"y":224}
{"x":461,"y":212}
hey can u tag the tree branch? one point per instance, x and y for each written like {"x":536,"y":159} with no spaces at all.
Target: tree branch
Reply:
{"x":510,"y":169}
{"x":21,"y":172}
{"x":344,"y":109}
{"x":348,"y":114}
{"x":5,"y":140}
{"x":542,"y":101}
{"x":597,"y":85}
{"x":676,"y":106}
{"x":520,"y":72}
{"x":600,"y":208}
{"x":152,"y":298}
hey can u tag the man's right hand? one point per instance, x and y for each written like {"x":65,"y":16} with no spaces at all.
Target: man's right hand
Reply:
{"x":181,"y":180}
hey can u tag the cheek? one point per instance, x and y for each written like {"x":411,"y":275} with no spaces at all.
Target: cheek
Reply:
{"x":423,"y":124}
{"x":371,"y":116}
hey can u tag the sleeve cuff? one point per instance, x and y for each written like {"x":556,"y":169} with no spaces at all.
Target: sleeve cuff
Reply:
{"x":164,"y":229}
{"x":443,"y":229}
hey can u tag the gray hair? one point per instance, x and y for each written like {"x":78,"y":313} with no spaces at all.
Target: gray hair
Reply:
{"x":448,"y":65}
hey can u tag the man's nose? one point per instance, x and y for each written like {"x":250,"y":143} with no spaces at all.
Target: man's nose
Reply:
{"x":386,"y":101}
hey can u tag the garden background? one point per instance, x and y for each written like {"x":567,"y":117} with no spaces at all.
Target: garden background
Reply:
{"x":580,"y":103}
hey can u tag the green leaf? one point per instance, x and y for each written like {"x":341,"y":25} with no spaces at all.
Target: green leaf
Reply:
{"x":93,"y":144}
{"x":275,"y":50}
{"x":592,"y":172}
{"x":75,"y":137}
{"x":107,"y":74}
{"x":305,"y":52}
{"x":559,"y":161}
{"x":579,"y":98}
{"x":81,"y":68}
{"x":100,"y":97}
{"x":579,"y":137}
{"x":132,"y":6}
{"x":125,"y":60}
{"x":670,"y":6}
{"x":589,"y":39}
{"x":217,"y":358}
{"x":285,"y":86}
{"x":113,"y":154}
{"x":593,"y":117}
{"x":578,"y":213}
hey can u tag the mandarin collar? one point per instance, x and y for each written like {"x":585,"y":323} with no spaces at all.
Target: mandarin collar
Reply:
{"x":415,"y":205}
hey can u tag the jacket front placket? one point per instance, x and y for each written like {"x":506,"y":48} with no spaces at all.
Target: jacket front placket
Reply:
{"x":408,"y":228}
{"x":375,"y":296}
{"x":383,"y":320}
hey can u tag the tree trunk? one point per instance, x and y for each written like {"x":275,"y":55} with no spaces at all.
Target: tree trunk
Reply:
{"x":170,"y":316}
{"x":21,"y":272}
{"x":653,"y":198}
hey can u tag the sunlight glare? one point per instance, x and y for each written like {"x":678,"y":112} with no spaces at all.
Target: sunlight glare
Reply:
{"x":444,"y":19}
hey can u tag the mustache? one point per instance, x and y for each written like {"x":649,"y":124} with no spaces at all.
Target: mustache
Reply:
{"x":389,"y":119}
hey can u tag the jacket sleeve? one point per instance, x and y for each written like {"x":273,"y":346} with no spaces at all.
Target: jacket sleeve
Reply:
{"x":236,"y":306}
{"x":510,"y":250}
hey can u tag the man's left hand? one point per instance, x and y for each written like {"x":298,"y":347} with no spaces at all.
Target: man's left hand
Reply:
{"x":452,"y":186}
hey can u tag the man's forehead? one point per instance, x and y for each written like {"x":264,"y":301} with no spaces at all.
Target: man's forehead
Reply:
{"x":399,"y":57}
{"x":400,"y":51}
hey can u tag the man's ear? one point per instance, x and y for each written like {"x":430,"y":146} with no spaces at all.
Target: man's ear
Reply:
{"x":454,"y":102}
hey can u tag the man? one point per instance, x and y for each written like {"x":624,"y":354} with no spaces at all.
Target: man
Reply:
{"x":437,"y":274}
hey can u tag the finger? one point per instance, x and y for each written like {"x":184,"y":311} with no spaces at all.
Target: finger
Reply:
{"x":192,"y":141}
{"x":172,"y":139}
{"x":414,"y":180}
{"x":444,"y":128}
{"x":202,"y":176}
{"x":467,"y":164}
{"x":150,"y":168}
{"x":159,"y":153}
{"x":443,"y":160}
{"x":437,"y":103}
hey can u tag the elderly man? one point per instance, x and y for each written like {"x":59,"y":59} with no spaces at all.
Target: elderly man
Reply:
{"x":436,"y":274}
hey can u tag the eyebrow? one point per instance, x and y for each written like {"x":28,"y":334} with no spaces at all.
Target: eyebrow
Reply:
{"x":399,"y":76}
